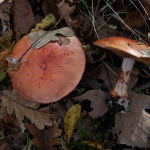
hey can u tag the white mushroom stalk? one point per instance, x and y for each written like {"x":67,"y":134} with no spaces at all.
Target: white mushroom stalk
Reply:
{"x":121,"y":86}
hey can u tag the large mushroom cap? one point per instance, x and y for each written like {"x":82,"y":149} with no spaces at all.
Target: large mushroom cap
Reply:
{"x":47,"y":74}
{"x":124,"y":47}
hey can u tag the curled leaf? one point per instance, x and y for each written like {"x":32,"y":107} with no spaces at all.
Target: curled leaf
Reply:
{"x":51,"y":36}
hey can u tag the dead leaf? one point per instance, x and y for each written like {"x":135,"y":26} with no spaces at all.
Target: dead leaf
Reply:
{"x":133,"y":127}
{"x":63,"y":145}
{"x":5,"y":10}
{"x":96,"y":145}
{"x":51,"y":36}
{"x":45,"y":139}
{"x":133,"y":19}
{"x":23,"y":16}
{"x":1,"y":1}
{"x":4,"y":145}
{"x":82,"y":21}
{"x":86,"y":123}
{"x":65,"y":11}
{"x":17,"y":141}
{"x":46,"y":22}
{"x":97,"y":98}
{"x":7,"y":36}
{"x":50,"y":6}
{"x":90,"y":59}
{"x":60,"y":109}
{"x":71,"y":120}
{"x":22,"y":107}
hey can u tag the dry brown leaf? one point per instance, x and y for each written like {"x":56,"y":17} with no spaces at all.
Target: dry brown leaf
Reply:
{"x":45,"y":139}
{"x":62,"y":143}
{"x":90,"y":59}
{"x":133,"y":128}
{"x":97,"y":98}
{"x":50,"y":6}
{"x":51,"y":36}
{"x":60,"y":109}
{"x":5,"y":10}
{"x":82,"y":21}
{"x":133,"y":19}
{"x":23,"y":16}
{"x":22,"y":107}
{"x":71,"y":120}
{"x":65,"y":11}
{"x":17,"y":141}
{"x":1,"y":1}
{"x":4,"y":145}
{"x":96,"y":145}
{"x":7,"y":36}
{"x":86,"y":123}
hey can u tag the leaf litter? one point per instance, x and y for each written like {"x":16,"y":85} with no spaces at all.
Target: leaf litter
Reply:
{"x":49,"y":135}
{"x":131,"y":128}
{"x":22,"y":107}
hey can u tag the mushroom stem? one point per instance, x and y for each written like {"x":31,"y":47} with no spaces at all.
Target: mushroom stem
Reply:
{"x":121,"y":86}
{"x":119,"y":95}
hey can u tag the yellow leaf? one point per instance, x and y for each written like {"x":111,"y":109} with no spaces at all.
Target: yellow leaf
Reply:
{"x":71,"y":120}
{"x":46,"y":22}
{"x":96,"y":145}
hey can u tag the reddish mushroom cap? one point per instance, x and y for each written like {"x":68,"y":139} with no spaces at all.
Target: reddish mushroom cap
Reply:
{"x":124,"y":47}
{"x":47,"y":74}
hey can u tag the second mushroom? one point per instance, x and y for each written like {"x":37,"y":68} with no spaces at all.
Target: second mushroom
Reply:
{"x":130,"y":50}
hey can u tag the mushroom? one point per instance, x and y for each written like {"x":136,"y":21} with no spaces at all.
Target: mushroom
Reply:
{"x":130,"y":50}
{"x":49,"y":73}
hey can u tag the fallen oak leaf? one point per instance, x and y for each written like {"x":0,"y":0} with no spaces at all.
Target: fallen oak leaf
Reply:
{"x":22,"y":107}
{"x":62,"y":143}
{"x":71,"y":119}
{"x":4,"y":145}
{"x":23,"y":16}
{"x":87,"y":128}
{"x":135,"y":123}
{"x":51,"y":36}
{"x":132,"y":128}
{"x":65,"y":11}
{"x":45,"y":139}
{"x":133,"y":19}
{"x":97,"y":98}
